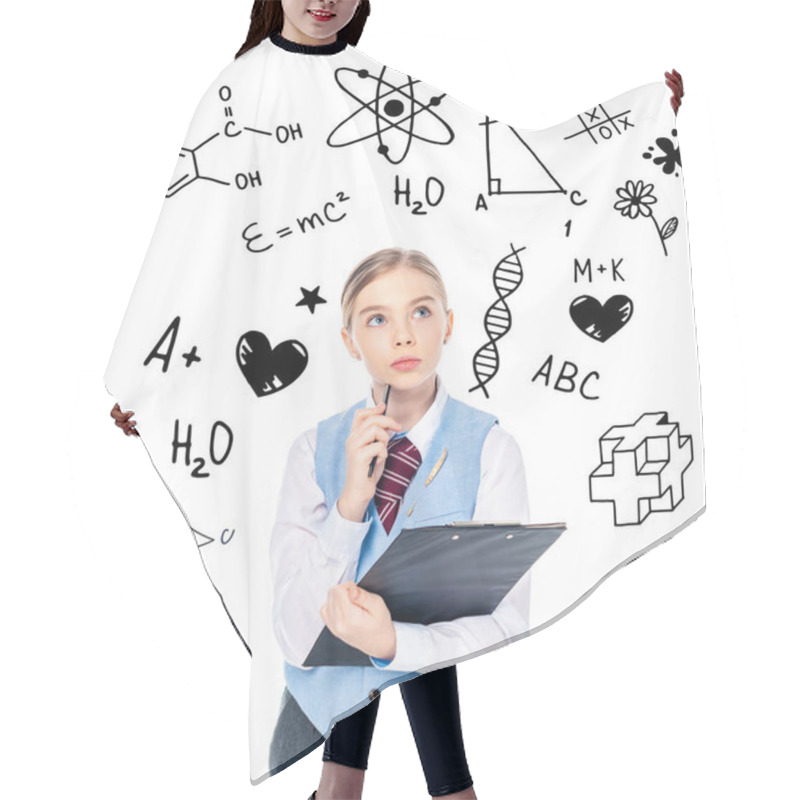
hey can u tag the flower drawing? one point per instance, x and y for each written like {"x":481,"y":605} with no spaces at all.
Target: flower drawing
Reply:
{"x":637,"y":199}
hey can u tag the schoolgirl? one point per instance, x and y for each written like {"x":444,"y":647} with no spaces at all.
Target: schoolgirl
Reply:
{"x":437,"y":460}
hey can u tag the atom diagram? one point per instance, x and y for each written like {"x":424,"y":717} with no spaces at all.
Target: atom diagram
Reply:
{"x":399,"y":115}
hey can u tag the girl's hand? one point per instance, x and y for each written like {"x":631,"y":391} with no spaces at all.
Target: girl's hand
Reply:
{"x":361,"y":619}
{"x":124,"y":421}
{"x":369,"y":425}
{"x":675,"y":82}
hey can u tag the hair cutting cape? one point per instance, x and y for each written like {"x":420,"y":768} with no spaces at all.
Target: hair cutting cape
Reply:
{"x":565,"y":258}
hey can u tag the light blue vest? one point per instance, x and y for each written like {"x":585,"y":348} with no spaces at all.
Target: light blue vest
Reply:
{"x":327,"y":694}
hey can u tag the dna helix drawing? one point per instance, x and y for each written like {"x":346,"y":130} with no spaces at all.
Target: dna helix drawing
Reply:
{"x":506,"y":278}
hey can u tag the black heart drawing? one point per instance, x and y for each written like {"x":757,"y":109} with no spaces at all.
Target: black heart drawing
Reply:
{"x":269,"y":369}
{"x":601,"y":321}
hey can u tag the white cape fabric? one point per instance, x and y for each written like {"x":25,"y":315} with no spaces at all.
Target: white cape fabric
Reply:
{"x":565,"y":256}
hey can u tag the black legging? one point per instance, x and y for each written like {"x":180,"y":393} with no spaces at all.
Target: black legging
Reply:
{"x":432,"y":706}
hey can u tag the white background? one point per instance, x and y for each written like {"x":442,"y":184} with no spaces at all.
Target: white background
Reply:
{"x":121,"y":675}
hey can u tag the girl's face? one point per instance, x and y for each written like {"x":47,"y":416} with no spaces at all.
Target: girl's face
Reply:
{"x":315,"y":21}
{"x":399,"y":326}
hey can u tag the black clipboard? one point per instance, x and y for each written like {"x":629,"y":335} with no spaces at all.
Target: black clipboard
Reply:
{"x":443,"y":572}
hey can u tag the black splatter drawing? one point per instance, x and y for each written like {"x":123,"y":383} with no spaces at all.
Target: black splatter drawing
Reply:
{"x":671,"y":155}
{"x":269,"y":369}
{"x":604,"y":126}
{"x":641,"y":468}
{"x":507,"y":277}
{"x":310,"y":299}
{"x":400,"y":117}
{"x":600,"y":321}
{"x":635,"y":200}
{"x":512,"y":166}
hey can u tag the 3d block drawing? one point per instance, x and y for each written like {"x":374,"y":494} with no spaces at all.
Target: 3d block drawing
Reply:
{"x":641,"y":468}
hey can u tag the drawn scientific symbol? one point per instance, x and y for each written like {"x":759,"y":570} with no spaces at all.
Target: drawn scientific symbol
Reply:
{"x":671,"y":155}
{"x":635,"y":200}
{"x":642,"y":467}
{"x":211,"y":159}
{"x":202,"y":539}
{"x":605,"y":126}
{"x":269,"y":369}
{"x":507,"y":277}
{"x":399,"y":116}
{"x":512,"y":166}
{"x":331,"y":213}
{"x":600,"y":321}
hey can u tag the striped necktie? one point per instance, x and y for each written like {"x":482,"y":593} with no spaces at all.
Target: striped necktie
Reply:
{"x":402,"y":464}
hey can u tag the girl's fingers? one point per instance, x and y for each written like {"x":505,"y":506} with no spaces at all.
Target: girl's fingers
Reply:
{"x":365,"y":413}
{"x":366,"y":416}
{"x":119,"y":416}
{"x":378,"y":449}
{"x":675,"y":80}
{"x":372,"y":434}
{"x":336,"y":602}
{"x":382,"y":424}
{"x":127,"y":426}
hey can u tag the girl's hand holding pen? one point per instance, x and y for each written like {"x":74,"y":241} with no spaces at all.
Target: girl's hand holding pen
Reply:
{"x":369,"y":438}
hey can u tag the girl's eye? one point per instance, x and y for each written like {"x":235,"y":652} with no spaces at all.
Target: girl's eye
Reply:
{"x":380,"y":316}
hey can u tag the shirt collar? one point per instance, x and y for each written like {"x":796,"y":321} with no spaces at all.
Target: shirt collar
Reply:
{"x":421,"y":435}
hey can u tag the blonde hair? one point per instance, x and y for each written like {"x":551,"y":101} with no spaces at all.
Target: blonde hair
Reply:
{"x":377,"y":264}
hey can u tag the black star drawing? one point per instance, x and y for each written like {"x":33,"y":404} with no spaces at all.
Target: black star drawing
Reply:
{"x":310,"y":298}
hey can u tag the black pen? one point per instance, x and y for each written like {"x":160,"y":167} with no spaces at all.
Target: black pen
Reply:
{"x":386,"y":406}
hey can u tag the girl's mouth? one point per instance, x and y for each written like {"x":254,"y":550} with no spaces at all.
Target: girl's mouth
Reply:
{"x":406,"y":364}
{"x":323,"y":16}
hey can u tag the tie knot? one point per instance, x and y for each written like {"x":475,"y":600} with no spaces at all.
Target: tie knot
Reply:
{"x":403,"y":446}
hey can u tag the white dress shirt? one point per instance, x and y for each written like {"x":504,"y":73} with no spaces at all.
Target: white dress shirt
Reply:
{"x":313,"y":548}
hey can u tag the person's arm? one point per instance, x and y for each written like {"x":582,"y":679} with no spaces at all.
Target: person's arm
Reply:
{"x":503,"y":494}
{"x":312,"y":548}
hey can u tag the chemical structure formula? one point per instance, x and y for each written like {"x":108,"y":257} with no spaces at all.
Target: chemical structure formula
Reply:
{"x":225,"y":156}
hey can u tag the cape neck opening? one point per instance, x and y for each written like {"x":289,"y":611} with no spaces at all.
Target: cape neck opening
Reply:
{"x":308,"y":49}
